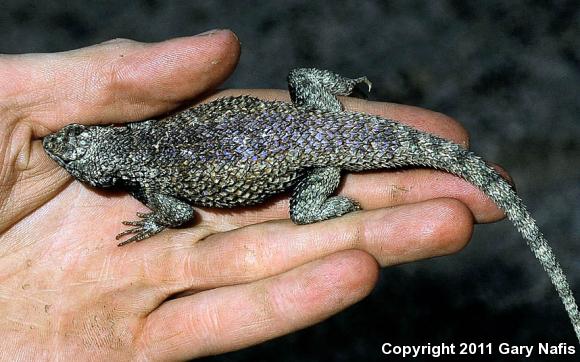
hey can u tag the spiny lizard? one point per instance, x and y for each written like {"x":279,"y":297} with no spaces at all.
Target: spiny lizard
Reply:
{"x":238,"y":151}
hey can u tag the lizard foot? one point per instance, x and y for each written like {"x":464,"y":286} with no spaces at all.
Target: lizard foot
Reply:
{"x":318,"y":88}
{"x":332,"y":207}
{"x":143,"y":229}
{"x":310,"y":201}
{"x":338,"y":206}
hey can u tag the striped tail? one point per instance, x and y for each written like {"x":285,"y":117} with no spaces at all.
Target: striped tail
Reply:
{"x":422,"y":149}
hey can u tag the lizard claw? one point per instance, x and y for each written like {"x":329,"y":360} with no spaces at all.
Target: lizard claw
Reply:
{"x":133,"y":223}
{"x":364,"y":80}
{"x":131,"y":239}
{"x":144,"y":228}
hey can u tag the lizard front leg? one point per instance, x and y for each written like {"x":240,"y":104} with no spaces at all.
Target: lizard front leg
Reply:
{"x":167,"y":211}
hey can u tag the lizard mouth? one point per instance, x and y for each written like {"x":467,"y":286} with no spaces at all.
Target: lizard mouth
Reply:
{"x":66,"y":145}
{"x":53,"y":148}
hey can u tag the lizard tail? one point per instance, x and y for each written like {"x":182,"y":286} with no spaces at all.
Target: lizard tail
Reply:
{"x":422,"y":149}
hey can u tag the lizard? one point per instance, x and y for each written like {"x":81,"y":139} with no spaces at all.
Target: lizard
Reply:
{"x":237,"y":151}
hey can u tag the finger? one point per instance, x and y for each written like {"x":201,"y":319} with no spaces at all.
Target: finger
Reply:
{"x":116,"y":81}
{"x":379,"y":189}
{"x":372,"y":190}
{"x":231,"y":318}
{"x":393,"y":236}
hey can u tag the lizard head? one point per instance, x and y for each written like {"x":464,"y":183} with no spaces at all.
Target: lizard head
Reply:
{"x":81,"y":150}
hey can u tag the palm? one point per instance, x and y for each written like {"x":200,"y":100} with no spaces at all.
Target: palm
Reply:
{"x":232,"y":280}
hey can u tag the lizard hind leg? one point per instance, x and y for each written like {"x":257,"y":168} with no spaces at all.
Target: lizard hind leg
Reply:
{"x":310,"y":201}
{"x":317,"y":88}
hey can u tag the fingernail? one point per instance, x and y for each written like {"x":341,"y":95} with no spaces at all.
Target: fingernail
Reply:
{"x":209,"y":32}
{"x":504,"y":174}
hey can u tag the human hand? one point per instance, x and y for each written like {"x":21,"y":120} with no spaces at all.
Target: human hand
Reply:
{"x":237,"y":277}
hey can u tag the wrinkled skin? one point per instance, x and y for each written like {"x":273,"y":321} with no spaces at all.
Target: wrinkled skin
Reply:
{"x":236,"y":277}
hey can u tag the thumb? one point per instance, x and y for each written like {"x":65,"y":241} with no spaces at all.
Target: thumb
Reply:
{"x":116,"y":81}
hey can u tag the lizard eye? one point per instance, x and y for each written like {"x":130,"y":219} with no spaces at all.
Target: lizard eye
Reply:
{"x":83,"y":142}
{"x":74,"y":129}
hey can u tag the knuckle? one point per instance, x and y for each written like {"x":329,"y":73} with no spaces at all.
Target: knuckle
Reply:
{"x":250,"y":260}
{"x":108,"y":81}
{"x":249,"y":255}
{"x":353,"y":234}
{"x":397,"y":193}
{"x":114,"y":75}
{"x":111,"y":76}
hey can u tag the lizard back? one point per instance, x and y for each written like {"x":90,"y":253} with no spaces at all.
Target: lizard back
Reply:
{"x":241,"y":150}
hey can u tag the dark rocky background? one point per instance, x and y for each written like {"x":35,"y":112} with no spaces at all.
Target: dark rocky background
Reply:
{"x":509,"y":70}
